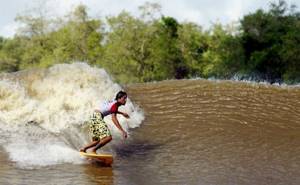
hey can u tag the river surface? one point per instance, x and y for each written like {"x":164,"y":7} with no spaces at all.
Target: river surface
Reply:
{"x":201,"y":132}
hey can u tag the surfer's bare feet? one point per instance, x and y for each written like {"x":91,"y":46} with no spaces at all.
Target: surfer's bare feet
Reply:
{"x":82,"y":150}
{"x":93,"y":151}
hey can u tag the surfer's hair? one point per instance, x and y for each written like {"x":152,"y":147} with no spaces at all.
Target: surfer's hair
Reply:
{"x":120,"y":94}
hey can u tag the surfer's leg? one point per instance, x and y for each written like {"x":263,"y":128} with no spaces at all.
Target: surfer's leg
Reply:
{"x":102,"y":142}
{"x":94,"y":129}
{"x":93,"y":143}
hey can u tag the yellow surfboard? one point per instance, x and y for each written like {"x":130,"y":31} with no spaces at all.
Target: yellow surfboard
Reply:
{"x":107,"y":159}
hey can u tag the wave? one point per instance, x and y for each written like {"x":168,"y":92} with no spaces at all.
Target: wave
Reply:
{"x":44,"y":112}
{"x":251,"y":80}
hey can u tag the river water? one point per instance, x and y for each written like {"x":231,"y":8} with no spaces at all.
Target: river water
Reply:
{"x":181,"y":131}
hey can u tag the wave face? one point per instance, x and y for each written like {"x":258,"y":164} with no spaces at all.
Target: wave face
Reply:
{"x":214,"y":132}
{"x":44,"y":111}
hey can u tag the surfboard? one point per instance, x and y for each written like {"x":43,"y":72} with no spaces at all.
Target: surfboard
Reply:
{"x":107,"y":159}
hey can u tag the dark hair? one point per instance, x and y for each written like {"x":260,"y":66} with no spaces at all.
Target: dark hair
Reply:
{"x":120,"y":94}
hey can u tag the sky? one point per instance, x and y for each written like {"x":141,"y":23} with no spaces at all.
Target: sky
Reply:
{"x":202,"y":12}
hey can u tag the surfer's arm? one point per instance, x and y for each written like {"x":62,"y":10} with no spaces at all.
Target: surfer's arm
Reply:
{"x":116,"y":122}
{"x":124,"y":114}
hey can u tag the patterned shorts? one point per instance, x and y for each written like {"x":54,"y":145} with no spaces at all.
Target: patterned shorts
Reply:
{"x":98,"y":128}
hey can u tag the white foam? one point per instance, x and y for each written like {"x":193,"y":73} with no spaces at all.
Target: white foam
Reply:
{"x":41,"y":153}
{"x":58,"y":101}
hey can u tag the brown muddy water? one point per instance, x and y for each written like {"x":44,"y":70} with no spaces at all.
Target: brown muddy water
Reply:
{"x":194,"y":132}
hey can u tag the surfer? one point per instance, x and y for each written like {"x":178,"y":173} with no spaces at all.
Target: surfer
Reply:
{"x":101,"y":135}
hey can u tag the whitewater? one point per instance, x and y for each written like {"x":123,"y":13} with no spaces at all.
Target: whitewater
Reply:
{"x":44,"y":113}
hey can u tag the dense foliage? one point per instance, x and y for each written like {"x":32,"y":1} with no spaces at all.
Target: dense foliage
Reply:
{"x":156,"y":47}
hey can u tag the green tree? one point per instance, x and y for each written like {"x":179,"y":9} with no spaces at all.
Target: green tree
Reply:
{"x":156,"y":47}
{"x":224,"y":55}
{"x":78,"y":39}
{"x":290,"y":53}
{"x":192,"y":42}
{"x":171,"y":44}
{"x":266,"y":35}
{"x":11,"y":51}
{"x":138,"y":49}
{"x":127,"y":47}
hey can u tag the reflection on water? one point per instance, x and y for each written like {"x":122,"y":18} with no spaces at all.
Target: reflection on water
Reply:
{"x":98,"y":174}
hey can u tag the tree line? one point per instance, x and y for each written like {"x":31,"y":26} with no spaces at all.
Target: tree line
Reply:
{"x":152,"y":47}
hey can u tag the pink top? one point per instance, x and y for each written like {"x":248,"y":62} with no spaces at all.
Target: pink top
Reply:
{"x":108,"y":107}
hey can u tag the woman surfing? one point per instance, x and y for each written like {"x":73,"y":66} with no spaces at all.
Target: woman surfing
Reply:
{"x":99,"y":131}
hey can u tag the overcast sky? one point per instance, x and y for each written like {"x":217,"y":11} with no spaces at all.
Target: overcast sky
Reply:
{"x":202,"y":12}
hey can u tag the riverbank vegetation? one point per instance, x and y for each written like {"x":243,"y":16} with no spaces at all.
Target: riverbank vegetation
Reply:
{"x":151,"y":47}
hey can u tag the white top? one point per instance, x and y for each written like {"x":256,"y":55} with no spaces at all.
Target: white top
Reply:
{"x":108,"y":107}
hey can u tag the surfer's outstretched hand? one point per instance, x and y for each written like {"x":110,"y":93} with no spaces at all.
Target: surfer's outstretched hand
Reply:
{"x":125,"y":115}
{"x":124,"y":134}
